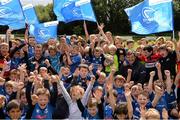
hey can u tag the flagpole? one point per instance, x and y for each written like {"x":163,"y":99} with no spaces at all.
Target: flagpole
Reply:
{"x":173,"y":35}
{"x":173,"y":20}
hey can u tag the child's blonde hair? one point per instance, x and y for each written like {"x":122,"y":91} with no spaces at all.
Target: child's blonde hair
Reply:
{"x":4,"y":44}
{"x":43,"y":91}
{"x":152,"y":114}
{"x":112,"y":47}
{"x":102,"y":74}
{"x":52,"y":48}
{"x":9,"y":84}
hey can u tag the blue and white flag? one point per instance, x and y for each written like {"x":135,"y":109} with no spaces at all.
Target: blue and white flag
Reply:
{"x":72,"y":10}
{"x":17,"y":25}
{"x":30,"y":14}
{"x":10,"y":11}
{"x":43,"y":32}
{"x":151,"y":16}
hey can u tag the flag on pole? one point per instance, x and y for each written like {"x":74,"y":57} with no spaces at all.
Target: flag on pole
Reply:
{"x":72,"y":10}
{"x":17,"y":25}
{"x":151,"y":16}
{"x":43,"y":32}
{"x":10,"y":12}
{"x":30,"y":14}
{"x":30,"y":18}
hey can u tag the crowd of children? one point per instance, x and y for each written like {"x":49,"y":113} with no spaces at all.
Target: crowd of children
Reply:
{"x":97,"y":77}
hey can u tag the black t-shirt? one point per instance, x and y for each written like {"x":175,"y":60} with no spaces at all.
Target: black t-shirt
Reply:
{"x":169,"y":63}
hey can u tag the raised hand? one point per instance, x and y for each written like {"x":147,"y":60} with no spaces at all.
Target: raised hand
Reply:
{"x":158,"y":66}
{"x":34,"y":98}
{"x":47,"y":63}
{"x":127,"y":92}
{"x":9,"y":31}
{"x":152,"y":73}
{"x":113,"y":69}
{"x":167,"y":73}
{"x":127,"y":86}
{"x":129,"y":71}
{"x":165,"y":114}
{"x":158,"y":90}
{"x":54,"y":78}
{"x":20,"y":86}
{"x":97,"y":96}
{"x":31,"y":78}
{"x":100,"y":27}
{"x":93,"y":79}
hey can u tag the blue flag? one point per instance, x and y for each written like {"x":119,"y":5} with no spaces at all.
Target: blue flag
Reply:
{"x":30,"y":14}
{"x":30,"y":18}
{"x":10,"y":12}
{"x":43,"y":32}
{"x":72,"y":10}
{"x":17,"y":25}
{"x":151,"y":16}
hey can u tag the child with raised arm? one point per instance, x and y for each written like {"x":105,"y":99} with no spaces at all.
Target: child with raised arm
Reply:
{"x":94,"y":109}
{"x":54,"y":58}
{"x":43,"y":109}
{"x":71,"y":98}
{"x":120,"y":110}
{"x":73,"y":58}
{"x":168,"y":99}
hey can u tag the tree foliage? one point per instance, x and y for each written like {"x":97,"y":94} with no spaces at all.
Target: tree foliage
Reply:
{"x":45,"y":13}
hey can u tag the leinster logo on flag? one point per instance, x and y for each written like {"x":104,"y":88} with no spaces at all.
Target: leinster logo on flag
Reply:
{"x":148,"y":14}
{"x":44,"y":33}
{"x":72,"y":10}
{"x":3,"y":2}
{"x":5,"y":12}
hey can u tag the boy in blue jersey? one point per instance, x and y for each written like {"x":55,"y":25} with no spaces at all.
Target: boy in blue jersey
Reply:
{"x":66,"y":76}
{"x":31,"y":45}
{"x":101,"y":79}
{"x":23,"y":102}
{"x":168,"y":100}
{"x":142,"y":103}
{"x":84,"y":76}
{"x":86,"y":55}
{"x":97,"y":59}
{"x":54,"y":58}
{"x":94,"y":109}
{"x":108,"y":109}
{"x":43,"y":109}
{"x":73,"y":58}
{"x":119,"y":110}
{"x":119,"y":87}
{"x":9,"y":93}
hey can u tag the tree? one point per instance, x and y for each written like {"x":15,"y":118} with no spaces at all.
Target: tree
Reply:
{"x":177,"y":14}
{"x":45,"y":13}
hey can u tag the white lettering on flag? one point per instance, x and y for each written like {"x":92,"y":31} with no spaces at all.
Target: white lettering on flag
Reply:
{"x":156,"y":2}
{"x":82,"y":2}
